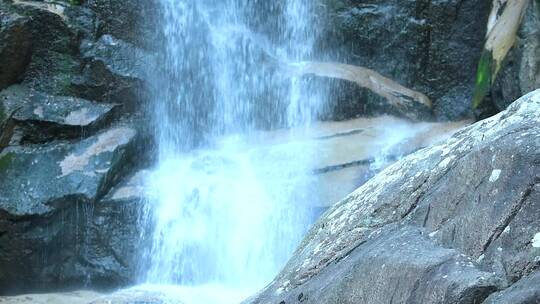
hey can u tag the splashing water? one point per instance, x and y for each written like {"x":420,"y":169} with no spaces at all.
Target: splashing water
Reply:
{"x":222,"y":215}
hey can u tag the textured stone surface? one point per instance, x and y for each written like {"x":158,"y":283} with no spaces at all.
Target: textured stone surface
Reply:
{"x":41,"y":117}
{"x":54,"y":229}
{"x":130,"y":20}
{"x":74,"y":133}
{"x":15,"y":46}
{"x":114,"y":71}
{"x":477,"y":193}
{"x":524,"y":291}
{"x":431,"y":46}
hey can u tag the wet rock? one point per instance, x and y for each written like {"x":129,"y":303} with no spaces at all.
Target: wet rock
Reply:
{"x":53,"y":61}
{"x":131,"y":20}
{"x":15,"y":46}
{"x":43,"y":117}
{"x":71,"y":169}
{"x":132,"y":189}
{"x":347,"y":153}
{"x":114,"y":71}
{"x":54,"y":229}
{"x":476,"y":194}
{"x":429,"y":46}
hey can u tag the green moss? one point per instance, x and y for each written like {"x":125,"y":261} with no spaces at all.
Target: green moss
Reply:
{"x":484,"y":78}
{"x":6,"y":161}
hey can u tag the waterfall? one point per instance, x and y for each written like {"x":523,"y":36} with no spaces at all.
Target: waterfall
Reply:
{"x":221,"y":214}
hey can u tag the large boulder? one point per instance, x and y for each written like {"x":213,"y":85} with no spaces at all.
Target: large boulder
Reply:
{"x":55,"y":228}
{"x":448,"y":224}
{"x":429,"y":46}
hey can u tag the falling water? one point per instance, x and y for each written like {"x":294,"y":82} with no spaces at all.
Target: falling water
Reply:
{"x":223,"y":215}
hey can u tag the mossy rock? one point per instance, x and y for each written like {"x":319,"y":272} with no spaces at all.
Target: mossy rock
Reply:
{"x":5,"y":162}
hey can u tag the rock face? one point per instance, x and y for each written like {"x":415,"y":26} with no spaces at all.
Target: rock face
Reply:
{"x":132,"y":20}
{"x":53,"y":230}
{"x":114,"y":71}
{"x":70,"y":138}
{"x":522,"y":292}
{"x":448,"y":224}
{"x":15,"y":47}
{"x":429,"y":46}
{"x":41,"y":117}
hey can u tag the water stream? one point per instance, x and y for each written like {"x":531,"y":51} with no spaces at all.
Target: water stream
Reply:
{"x":224,"y":218}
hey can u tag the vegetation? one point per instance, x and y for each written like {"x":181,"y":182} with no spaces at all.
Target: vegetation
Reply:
{"x":483,"y":78}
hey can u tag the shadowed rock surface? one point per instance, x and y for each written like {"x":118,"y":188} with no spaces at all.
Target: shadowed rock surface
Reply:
{"x":524,"y":291}
{"x":429,"y":46}
{"x":15,"y":47}
{"x":70,"y":134}
{"x":54,"y":230}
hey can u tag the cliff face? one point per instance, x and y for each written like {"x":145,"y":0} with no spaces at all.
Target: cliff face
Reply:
{"x":72,"y":129}
{"x":429,"y":46}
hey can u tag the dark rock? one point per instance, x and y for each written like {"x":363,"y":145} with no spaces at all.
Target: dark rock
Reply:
{"x":120,"y":58}
{"x":82,"y":20}
{"x":43,"y":117}
{"x":525,"y":291}
{"x":130,"y":20}
{"x":15,"y":46}
{"x":114,"y":71}
{"x":430,"y":46}
{"x":53,"y":59}
{"x":401,"y":266}
{"x":54,"y":230}
{"x":81,"y":169}
{"x":520,"y":72}
{"x":477,"y":193}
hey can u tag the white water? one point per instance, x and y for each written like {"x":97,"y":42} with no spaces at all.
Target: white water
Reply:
{"x":224,"y":220}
